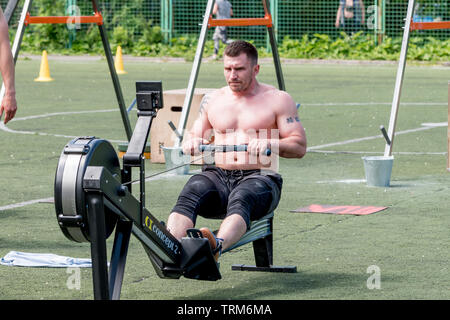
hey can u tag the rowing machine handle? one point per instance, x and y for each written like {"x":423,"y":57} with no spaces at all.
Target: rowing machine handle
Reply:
{"x":228,"y":148}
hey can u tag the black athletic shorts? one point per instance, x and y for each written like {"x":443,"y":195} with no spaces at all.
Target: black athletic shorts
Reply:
{"x":216,"y":193}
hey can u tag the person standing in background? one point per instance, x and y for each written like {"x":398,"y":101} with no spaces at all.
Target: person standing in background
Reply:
{"x":350,"y":15}
{"x":222,"y":9}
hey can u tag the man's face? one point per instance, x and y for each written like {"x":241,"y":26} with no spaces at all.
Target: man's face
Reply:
{"x":239,"y":72}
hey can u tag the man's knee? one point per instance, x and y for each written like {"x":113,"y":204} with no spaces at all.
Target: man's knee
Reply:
{"x":197,"y":186}
{"x":242,"y":203}
{"x":254,"y":199}
{"x":193,"y":192}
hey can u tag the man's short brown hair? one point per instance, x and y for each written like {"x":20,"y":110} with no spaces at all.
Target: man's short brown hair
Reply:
{"x":237,"y":47}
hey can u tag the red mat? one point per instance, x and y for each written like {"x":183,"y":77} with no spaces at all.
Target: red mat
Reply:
{"x":354,"y":210}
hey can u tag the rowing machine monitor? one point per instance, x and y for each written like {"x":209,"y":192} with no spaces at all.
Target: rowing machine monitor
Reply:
{"x":149,"y":96}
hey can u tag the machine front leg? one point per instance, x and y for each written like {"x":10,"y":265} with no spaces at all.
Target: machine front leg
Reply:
{"x":97,"y":232}
{"x":119,"y":257}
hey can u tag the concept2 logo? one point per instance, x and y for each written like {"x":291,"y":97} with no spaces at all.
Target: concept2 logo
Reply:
{"x":161,"y":235}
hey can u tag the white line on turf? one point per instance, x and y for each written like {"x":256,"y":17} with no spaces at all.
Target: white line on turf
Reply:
{"x":25,"y":203}
{"x":45,"y":115}
{"x":375,"y":152}
{"x":324,"y":104}
{"x":6,"y":129}
{"x":340,"y":143}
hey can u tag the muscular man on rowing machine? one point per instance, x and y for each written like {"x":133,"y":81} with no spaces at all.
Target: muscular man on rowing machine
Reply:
{"x":242,"y":186}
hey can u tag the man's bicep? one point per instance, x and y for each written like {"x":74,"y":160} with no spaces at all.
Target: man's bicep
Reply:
{"x":202,"y":127}
{"x":288,"y":121}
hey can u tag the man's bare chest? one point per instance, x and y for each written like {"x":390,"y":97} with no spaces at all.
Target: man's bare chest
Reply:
{"x":232,"y":116}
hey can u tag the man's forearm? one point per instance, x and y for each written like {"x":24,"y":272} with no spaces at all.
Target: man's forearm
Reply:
{"x":291,"y":147}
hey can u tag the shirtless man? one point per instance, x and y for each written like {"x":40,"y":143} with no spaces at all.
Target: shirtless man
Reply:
{"x":238,"y":188}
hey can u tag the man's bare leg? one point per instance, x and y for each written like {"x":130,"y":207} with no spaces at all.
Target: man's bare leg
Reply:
{"x":177,"y":224}
{"x":231,"y":230}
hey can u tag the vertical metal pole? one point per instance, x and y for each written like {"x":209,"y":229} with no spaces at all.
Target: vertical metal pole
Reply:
{"x":9,"y":10}
{"x":376,"y":20}
{"x":448,"y":129}
{"x":194,"y":73}
{"x":399,"y":79}
{"x":20,"y":30}
{"x":170,"y":19}
{"x":114,"y":76}
{"x":275,"y":54}
{"x":379,"y":21}
{"x":18,"y":38}
{"x":97,"y":233}
{"x":166,"y":20}
{"x":274,"y":13}
{"x":163,"y":18}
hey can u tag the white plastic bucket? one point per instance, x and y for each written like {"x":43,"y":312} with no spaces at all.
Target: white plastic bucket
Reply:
{"x":174,"y":157}
{"x":378,"y":170}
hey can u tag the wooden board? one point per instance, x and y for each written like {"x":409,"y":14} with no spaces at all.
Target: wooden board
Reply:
{"x":160,"y":133}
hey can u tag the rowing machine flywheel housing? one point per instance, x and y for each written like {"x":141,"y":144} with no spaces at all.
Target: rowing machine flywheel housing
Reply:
{"x":70,"y":200}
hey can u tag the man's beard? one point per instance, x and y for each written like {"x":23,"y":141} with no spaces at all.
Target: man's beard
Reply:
{"x":238,"y":86}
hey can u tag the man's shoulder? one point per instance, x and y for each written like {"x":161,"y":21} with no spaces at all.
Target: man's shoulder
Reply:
{"x":270,"y":90}
{"x":279,"y":99}
{"x":215,"y":94}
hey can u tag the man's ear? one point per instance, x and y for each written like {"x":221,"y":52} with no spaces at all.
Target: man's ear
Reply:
{"x":256,"y":69}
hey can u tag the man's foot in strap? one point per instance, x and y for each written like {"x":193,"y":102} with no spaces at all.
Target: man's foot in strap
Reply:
{"x":214,"y":242}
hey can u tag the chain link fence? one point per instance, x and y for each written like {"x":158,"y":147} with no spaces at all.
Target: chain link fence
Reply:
{"x":131,"y":19}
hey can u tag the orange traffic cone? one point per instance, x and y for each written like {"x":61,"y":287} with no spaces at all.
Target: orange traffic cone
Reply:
{"x":44,"y":73}
{"x":118,"y":63}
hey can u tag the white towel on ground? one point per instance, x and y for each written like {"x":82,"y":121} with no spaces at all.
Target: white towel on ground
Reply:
{"x":25,"y":259}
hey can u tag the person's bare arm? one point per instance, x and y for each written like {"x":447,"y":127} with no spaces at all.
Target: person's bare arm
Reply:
{"x":8,"y":104}
{"x":291,"y":140}
{"x":363,"y":12}
{"x":292,"y":143}
{"x":338,"y":17}
{"x":201,"y":130}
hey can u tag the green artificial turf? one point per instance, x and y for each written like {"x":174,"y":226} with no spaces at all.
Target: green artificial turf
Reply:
{"x":407,"y":242}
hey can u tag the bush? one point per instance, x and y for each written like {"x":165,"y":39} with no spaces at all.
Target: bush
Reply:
{"x":362,"y":47}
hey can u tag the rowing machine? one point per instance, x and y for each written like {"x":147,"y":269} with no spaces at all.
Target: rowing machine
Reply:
{"x":93,"y":196}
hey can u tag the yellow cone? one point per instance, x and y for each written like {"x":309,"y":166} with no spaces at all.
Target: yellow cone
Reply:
{"x":118,"y":63}
{"x":44,"y":73}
